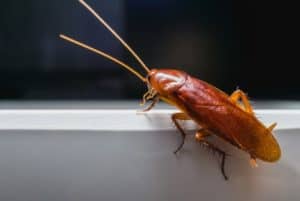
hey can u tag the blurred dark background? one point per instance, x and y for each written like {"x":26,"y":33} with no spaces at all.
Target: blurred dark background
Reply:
{"x":227,"y":43}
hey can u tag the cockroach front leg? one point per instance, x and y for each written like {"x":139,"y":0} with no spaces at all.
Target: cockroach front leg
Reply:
{"x":154,"y":101}
{"x":200,"y":137}
{"x":152,"y":95}
{"x":175,"y":118}
{"x":239,"y":94}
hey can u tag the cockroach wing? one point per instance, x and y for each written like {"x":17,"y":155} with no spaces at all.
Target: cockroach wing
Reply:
{"x":211,"y":108}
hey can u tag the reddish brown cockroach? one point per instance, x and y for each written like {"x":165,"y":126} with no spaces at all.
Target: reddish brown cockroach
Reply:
{"x":213,"y":110}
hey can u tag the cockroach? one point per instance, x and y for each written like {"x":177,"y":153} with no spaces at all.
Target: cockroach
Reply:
{"x":229,"y":117}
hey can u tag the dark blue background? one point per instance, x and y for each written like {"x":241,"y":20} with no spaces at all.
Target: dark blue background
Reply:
{"x":232,"y":43}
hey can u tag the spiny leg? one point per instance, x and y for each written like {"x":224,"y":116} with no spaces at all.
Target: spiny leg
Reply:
{"x":200,"y":137}
{"x":144,"y":99}
{"x":150,"y":94}
{"x":154,"y":101}
{"x":222,"y":154}
{"x":175,"y":118}
{"x":239,"y":94}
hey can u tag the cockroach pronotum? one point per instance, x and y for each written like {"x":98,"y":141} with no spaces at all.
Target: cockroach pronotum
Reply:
{"x":229,"y":117}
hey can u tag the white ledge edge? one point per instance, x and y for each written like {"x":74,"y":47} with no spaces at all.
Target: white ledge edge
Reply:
{"x":119,"y":120}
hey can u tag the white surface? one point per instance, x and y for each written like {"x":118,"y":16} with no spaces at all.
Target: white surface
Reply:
{"x":138,"y":166}
{"x":119,"y":120}
{"x":44,"y":157}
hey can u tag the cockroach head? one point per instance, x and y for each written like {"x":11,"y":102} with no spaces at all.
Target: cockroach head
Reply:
{"x":165,"y":81}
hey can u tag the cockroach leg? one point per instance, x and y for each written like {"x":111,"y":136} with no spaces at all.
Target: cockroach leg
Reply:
{"x":200,"y":137}
{"x":272,"y":126}
{"x":253,"y":162}
{"x":201,"y":134}
{"x":222,"y":154}
{"x":150,"y":94}
{"x":145,"y":98}
{"x":223,"y":165}
{"x":239,"y":94}
{"x":154,"y":101}
{"x":175,"y":118}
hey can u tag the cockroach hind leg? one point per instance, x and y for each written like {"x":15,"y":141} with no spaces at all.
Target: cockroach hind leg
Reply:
{"x":253,"y":162}
{"x":223,"y":166}
{"x":239,"y":94}
{"x":222,"y":153}
{"x":271,"y":127}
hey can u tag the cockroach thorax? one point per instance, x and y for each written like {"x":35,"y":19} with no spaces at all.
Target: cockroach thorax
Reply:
{"x":165,"y":81}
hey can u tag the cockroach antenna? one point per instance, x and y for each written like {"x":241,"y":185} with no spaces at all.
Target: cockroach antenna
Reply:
{"x":71,"y":40}
{"x":100,"y":19}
